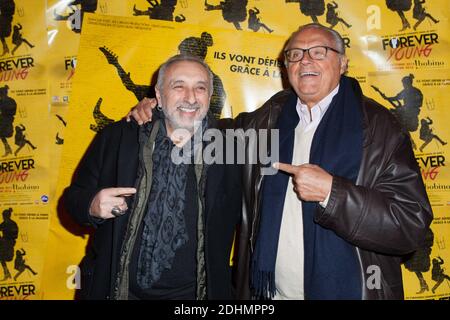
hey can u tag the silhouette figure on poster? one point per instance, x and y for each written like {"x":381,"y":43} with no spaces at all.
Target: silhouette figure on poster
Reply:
{"x":100,"y":119}
{"x":332,"y":16}
{"x":20,"y":264}
{"x":419,"y":261}
{"x":162,"y":10}
{"x":180,"y":18}
{"x":61,"y":119}
{"x":60,"y":140}
{"x":412,"y":99}
{"x":233,"y":11}
{"x":193,"y":46}
{"x":17,"y":38}
{"x":420,"y":14}
{"x":437,"y":273}
{"x":7,"y":8}
{"x":199,"y":47}
{"x":407,"y":113}
{"x":10,"y":232}
{"x":254,"y":22}
{"x":8,"y":107}
{"x":311,"y":8}
{"x":21,"y":140}
{"x":400,"y":6}
{"x":139,"y":90}
{"x":426,"y":133}
{"x":77,"y":13}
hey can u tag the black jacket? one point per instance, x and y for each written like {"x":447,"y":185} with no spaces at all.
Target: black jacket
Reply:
{"x":385,"y":215}
{"x":112,"y":161}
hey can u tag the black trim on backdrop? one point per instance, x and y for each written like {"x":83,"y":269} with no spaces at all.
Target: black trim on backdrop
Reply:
{"x":230,"y":309}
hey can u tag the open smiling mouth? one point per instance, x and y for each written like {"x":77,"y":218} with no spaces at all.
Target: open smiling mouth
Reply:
{"x":309,"y":74}
{"x":188,"y":110}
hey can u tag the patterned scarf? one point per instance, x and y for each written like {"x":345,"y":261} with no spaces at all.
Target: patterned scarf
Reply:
{"x":164,"y":230}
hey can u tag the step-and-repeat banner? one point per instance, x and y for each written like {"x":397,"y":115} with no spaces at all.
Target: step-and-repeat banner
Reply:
{"x":70,"y":67}
{"x":24,"y":160}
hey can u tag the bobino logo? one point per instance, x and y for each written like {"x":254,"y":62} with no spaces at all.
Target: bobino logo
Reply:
{"x":44,"y":199}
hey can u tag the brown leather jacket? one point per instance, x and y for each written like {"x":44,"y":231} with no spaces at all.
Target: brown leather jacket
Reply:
{"x":385,"y":215}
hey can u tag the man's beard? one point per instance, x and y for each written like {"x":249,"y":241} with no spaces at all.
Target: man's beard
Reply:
{"x":175,"y":121}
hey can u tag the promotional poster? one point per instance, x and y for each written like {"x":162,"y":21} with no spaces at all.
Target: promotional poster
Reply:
{"x":409,"y":75}
{"x":416,"y":99}
{"x":68,"y":68}
{"x":110,"y":79}
{"x":391,"y":58}
{"x":64,"y":24}
{"x":24,"y":162}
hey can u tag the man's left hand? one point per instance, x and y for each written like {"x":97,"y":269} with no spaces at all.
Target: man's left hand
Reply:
{"x":311,"y":182}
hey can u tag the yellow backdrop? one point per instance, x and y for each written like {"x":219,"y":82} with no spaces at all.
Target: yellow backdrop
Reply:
{"x":388,"y":42}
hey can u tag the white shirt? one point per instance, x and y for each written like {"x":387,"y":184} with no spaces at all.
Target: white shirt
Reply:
{"x":289,"y":268}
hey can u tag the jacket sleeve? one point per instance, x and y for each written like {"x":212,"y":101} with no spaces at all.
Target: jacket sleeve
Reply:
{"x":85,"y":185}
{"x":391,"y":216}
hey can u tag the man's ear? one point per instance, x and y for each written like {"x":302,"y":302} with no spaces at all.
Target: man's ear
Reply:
{"x":344,"y":64}
{"x":158,"y":96}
